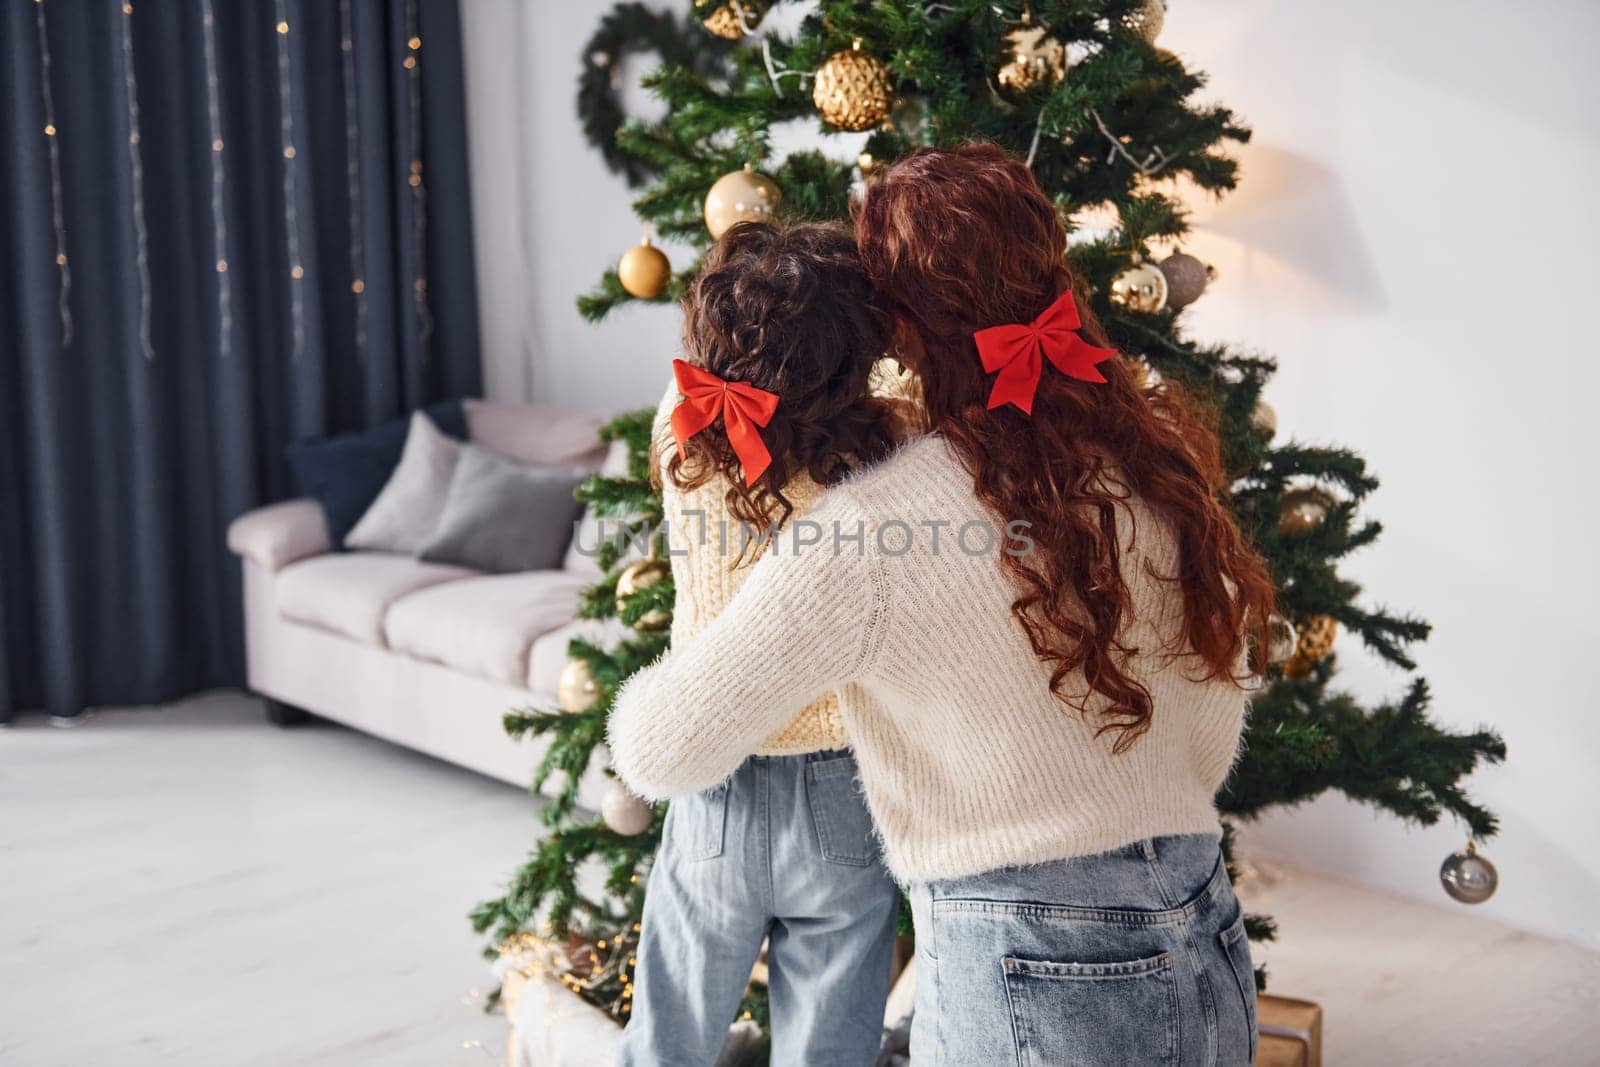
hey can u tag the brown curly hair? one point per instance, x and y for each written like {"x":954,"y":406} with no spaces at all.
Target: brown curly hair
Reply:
{"x":961,"y":239}
{"x":789,"y":309}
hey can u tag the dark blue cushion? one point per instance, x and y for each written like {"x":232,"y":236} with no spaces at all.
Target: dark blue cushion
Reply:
{"x":345,"y":473}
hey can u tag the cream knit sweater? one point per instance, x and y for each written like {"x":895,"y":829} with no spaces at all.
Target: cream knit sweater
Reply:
{"x":703,"y":540}
{"x":967,"y":760}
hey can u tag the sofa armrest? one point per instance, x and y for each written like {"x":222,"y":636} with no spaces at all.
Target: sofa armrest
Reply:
{"x":278,"y":534}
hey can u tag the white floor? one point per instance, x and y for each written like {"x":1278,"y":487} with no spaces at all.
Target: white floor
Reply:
{"x":192,"y":886}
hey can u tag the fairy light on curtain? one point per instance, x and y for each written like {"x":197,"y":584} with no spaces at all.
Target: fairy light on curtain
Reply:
{"x":57,"y":217}
{"x":136,"y":168}
{"x":291,"y":219}
{"x":219,"y":231}
{"x":352,"y":138}
{"x":419,"y":193}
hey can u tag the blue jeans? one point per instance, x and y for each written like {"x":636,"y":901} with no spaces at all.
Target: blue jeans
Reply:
{"x":1134,"y":956}
{"x":782,"y":850}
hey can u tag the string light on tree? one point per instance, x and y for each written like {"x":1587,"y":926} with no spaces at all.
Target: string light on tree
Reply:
{"x":741,"y":196}
{"x":851,"y":90}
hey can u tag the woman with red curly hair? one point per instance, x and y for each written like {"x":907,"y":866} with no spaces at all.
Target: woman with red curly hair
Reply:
{"x":1035,"y":618}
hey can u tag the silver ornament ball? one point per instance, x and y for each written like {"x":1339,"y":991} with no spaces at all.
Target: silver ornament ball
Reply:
{"x":1186,"y":279}
{"x":624,"y":812}
{"x":1468,"y":877}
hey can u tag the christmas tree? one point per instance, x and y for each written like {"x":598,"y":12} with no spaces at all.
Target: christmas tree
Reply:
{"x":1108,"y":122}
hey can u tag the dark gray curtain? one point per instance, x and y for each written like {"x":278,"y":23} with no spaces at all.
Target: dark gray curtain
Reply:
{"x":225,"y":225}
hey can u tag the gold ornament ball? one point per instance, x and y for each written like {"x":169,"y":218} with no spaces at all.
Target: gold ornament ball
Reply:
{"x":642,"y":575}
{"x":1146,"y":20}
{"x":851,"y":90}
{"x":1469,"y":877}
{"x":576,"y":689}
{"x":644,"y":270}
{"x":1264,"y":418}
{"x":1302,"y":510}
{"x":1036,"y":59}
{"x":724,"y":20}
{"x":742,"y":196}
{"x":1140,"y":288}
{"x":1312,"y":646}
{"x":624,"y":812}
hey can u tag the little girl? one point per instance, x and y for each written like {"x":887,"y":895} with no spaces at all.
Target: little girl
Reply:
{"x":781,"y":331}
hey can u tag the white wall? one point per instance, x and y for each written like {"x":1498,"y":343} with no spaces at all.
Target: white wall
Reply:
{"x":1414,"y":238}
{"x":549,"y":218}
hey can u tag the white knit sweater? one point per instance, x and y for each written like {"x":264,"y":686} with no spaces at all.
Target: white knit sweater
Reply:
{"x":968,"y":762}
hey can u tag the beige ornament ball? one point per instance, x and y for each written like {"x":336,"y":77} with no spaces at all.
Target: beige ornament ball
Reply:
{"x":741,"y":196}
{"x":624,"y":812}
{"x":1146,"y":20}
{"x":851,"y":90}
{"x":1313,"y":645}
{"x":576,"y":689}
{"x":644,"y":270}
{"x":1186,"y":279}
{"x":1140,"y":288}
{"x":725,"y":19}
{"x":1280,"y":639}
{"x":1036,"y":59}
{"x":642,"y":575}
{"x":1264,"y":418}
{"x":1302,"y":510}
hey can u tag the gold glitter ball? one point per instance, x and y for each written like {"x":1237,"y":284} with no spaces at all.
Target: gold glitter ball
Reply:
{"x":851,"y":91}
{"x":724,"y":19}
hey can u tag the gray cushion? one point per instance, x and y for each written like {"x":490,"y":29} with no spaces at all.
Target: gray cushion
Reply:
{"x":407,"y":511}
{"x":504,"y":516}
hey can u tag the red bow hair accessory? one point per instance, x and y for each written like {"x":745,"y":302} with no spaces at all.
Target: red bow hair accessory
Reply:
{"x":742,"y":406}
{"x":1015,"y":350}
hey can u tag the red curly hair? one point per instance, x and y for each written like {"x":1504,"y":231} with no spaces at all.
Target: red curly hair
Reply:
{"x":960,"y":239}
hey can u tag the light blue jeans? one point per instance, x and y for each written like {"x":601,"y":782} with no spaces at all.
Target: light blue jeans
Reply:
{"x":782,"y":850}
{"x":1134,"y":956}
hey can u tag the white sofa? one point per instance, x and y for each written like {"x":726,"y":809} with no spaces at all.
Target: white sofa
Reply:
{"x":426,"y":655}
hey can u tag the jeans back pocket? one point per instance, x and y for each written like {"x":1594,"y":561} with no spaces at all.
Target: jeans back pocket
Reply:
{"x":702,"y":820}
{"x":1236,"y":946}
{"x":839,"y":812}
{"x":1093,"y":1012}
